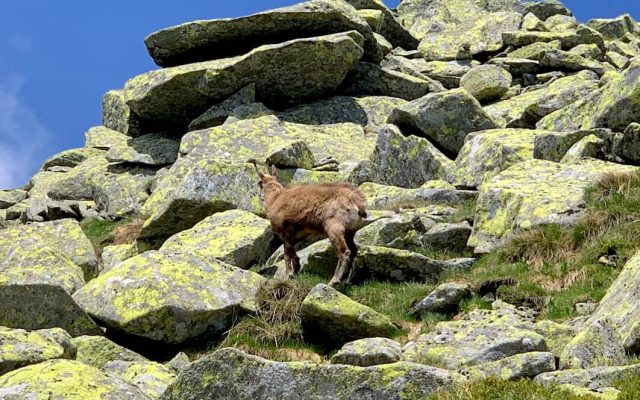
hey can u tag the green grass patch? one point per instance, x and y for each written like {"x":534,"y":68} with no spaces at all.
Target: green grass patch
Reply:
{"x":494,"y":389}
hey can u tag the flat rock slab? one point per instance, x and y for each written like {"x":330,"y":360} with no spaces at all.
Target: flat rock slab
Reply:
{"x":532,"y":193}
{"x":381,"y":197}
{"x":331,"y":317}
{"x":592,"y":378}
{"x":236,"y":237}
{"x":525,"y":365}
{"x":169,"y":297}
{"x":239,"y":376}
{"x":220,"y":38}
{"x":67,"y":379}
{"x":463,"y":343}
{"x":150,"y":149}
{"x":21,"y":348}
{"x":368,"y":352}
{"x":293,"y":71}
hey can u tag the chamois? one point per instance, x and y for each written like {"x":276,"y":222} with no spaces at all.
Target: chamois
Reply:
{"x":334,"y":209}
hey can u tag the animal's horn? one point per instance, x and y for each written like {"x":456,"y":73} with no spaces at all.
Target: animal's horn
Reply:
{"x":255,"y":164}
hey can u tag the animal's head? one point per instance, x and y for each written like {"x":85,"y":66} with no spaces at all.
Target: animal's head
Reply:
{"x":268,"y":183}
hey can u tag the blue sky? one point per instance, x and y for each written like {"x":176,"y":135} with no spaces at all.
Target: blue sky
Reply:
{"x":57,"y":59}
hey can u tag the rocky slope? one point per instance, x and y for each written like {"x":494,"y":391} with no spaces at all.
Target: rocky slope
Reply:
{"x":512,"y":110}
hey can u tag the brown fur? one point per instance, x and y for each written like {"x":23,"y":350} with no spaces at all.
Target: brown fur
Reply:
{"x":334,"y":209}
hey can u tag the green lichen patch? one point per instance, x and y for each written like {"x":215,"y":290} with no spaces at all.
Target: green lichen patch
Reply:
{"x":20,"y":348}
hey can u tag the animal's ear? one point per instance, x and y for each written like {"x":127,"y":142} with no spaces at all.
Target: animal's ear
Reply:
{"x":274,"y":171}
{"x":255,"y":164}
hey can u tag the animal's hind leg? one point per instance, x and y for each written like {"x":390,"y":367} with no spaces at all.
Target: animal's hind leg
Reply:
{"x":353,"y":248}
{"x":291,"y":260}
{"x":336,"y":235}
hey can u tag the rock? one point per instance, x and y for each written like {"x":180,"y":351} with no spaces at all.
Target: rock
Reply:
{"x":217,"y":114}
{"x":372,"y":80}
{"x":620,"y":308}
{"x":365,"y":110}
{"x":67,"y":379}
{"x":21,"y":348}
{"x":248,"y":111}
{"x":369,"y":352}
{"x":71,"y":158}
{"x":516,"y":66}
{"x":260,"y":138}
{"x":118,"y":190}
{"x":569,"y":39}
{"x":532,"y":23}
{"x":598,"y":345}
{"x":242,"y":377}
{"x":169,"y":297}
{"x":235,"y":237}
{"x":98,"y":351}
{"x":114,"y":255}
{"x":291,"y":155}
{"x":390,"y":28}
{"x":536,"y":50}
{"x":10,"y":197}
{"x":556,"y":335}
{"x":117,"y":115}
{"x":593,"y":378}
{"x":430,"y":116}
{"x":617,"y":60}
{"x":589,"y":51}
{"x":392,"y":231}
{"x":628,"y":50}
{"x":195,"y":189}
{"x":564,"y":60}
{"x":464,"y":343}
{"x":220,"y":38}
{"x":444,"y":299}
{"x":330,"y":317}
{"x":553,"y":146}
{"x":613,"y":106}
{"x":380,"y":197}
{"x":179,"y":363}
{"x":407,"y":161}
{"x":175,"y":96}
{"x":443,"y":74}
{"x":445,"y":26}
{"x":104,"y":138}
{"x":586,"y":308}
{"x":547,"y":8}
{"x":487,"y":153}
{"x":589,"y":146}
{"x":628,"y":146}
{"x":525,"y":365}
{"x":525,"y":110}
{"x":614,"y":28}
{"x":446,"y":237}
{"x":486,"y":83}
{"x":153,"y":378}
{"x":561,"y":23}
{"x":533,"y":193}
{"x":151,"y":149}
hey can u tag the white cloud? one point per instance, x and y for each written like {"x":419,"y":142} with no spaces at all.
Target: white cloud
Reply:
{"x":22,"y":136}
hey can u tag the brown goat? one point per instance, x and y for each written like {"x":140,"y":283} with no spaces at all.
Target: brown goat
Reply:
{"x":334,"y":209}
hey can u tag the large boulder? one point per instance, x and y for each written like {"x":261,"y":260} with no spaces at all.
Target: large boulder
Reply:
{"x":169,"y":297}
{"x":293,"y":71}
{"x":431,"y":116}
{"x":620,"y":306}
{"x":615,"y":28}
{"x":546,"y":9}
{"x":592,"y":378}
{"x":368,"y":352}
{"x":330,"y":317}
{"x":67,"y":379}
{"x":369,"y":79}
{"x":117,"y":115}
{"x":363,"y":110}
{"x":382,"y":197}
{"x":568,"y":61}
{"x":235,"y":237}
{"x":443,"y":299}
{"x":71,"y":158}
{"x":21,"y":348}
{"x":220,"y":38}
{"x":553,"y":146}
{"x":104,"y":138}
{"x":524,"y":365}
{"x":535,"y":51}
{"x":597,"y":345}
{"x":445,"y":26}
{"x":152,"y":377}
{"x":217,"y":114}
{"x":525,"y":110}
{"x":615,"y":105}
{"x":192,"y":190}
{"x":487,"y":153}
{"x":532,"y":193}
{"x":239,"y":376}
{"x":407,"y":161}
{"x":9,"y":198}
{"x":488,"y":82}
{"x":463,"y":343}
{"x":98,"y":351}
{"x":150,"y":149}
